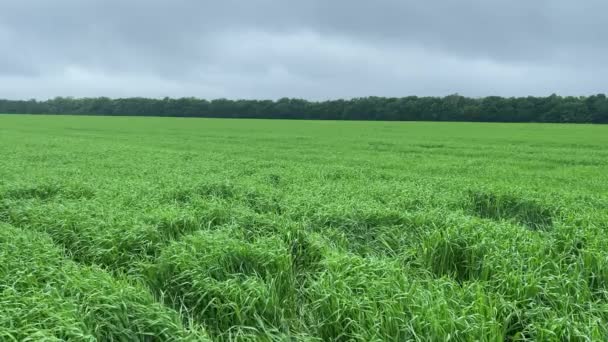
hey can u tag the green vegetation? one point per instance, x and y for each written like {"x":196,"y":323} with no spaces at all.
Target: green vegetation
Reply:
{"x":168,"y":229}
{"x":554,"y":108}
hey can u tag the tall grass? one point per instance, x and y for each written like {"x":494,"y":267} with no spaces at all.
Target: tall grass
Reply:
{"x":45,"y":296}
{"x":170,"y":230}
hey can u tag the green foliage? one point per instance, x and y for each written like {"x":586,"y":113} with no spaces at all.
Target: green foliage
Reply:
{"x":506,"y":206}
{"x":163,"y":229}
{"x":45,"y":297}
{"x":227,"y":283}
{"x":590,"y":109}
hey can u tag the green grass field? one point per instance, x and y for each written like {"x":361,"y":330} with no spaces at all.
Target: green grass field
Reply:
{"x":149,"y":229}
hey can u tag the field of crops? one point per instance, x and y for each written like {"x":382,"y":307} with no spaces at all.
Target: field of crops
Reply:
{"x":165,"y":229}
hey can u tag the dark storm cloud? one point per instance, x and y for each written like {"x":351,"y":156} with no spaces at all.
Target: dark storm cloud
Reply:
{"x":314,"y":49}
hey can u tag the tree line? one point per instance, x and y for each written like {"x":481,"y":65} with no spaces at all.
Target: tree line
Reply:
{"x":554,"y":108}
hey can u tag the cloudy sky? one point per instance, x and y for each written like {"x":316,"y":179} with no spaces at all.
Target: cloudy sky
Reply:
{"x":315,"y":49}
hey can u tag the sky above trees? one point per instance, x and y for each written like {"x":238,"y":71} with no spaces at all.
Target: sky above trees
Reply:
{"x":314,"y":49}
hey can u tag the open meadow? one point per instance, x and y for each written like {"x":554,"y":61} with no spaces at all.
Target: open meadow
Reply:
{"x":166,"y":229}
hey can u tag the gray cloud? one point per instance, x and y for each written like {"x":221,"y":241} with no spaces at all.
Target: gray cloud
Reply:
{"x":313,"y":49}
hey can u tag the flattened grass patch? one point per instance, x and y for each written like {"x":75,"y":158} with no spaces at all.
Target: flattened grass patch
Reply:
{"x":496,"y":206}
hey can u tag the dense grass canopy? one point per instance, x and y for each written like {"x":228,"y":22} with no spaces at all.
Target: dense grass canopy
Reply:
{"x":161,"y":229}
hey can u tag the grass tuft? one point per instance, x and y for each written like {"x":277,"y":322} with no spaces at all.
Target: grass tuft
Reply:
{"x":528,"y":212}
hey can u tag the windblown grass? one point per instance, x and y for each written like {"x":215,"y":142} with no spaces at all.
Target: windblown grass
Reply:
{"x":170,"y":229}
{"x":46,"y":297}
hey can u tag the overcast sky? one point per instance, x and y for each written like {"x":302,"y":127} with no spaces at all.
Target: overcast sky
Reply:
{"x":315,"y":49}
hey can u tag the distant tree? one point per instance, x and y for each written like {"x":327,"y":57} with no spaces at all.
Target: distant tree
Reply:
{"x":554,"y":108}
{"x":598,"y":108}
